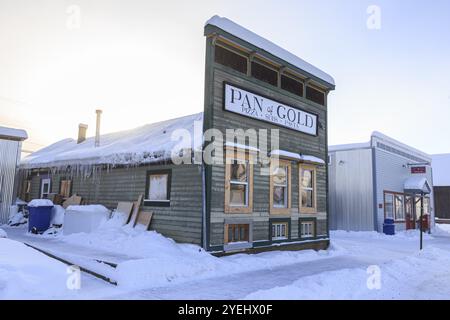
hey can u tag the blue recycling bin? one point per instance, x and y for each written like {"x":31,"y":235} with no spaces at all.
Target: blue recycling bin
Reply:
{"x":39,"y":218}
{"x":389,"y":227}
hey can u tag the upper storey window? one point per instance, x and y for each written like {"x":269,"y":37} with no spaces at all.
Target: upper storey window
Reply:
{"x":230,"y":59}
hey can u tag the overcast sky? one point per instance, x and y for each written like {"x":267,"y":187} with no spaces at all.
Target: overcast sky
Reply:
{"x":143,"y":61}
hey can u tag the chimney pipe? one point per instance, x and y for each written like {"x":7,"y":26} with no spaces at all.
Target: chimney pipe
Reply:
{"x":97,"y":129}
{"x":82,"y":128}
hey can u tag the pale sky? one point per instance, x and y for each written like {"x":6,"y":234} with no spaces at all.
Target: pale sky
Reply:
{"x":143,"y":61}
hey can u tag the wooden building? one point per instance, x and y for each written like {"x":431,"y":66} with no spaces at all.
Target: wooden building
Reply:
{"x":251,"y":85}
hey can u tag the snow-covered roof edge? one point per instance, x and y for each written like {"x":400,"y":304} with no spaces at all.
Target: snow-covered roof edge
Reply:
{"x":350,"y":146}
{"x":14,"y":134}
{"x":244,"y":34}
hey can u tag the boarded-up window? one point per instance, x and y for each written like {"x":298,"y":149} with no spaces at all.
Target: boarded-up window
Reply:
{"x":65,"y":188}
{"x":264,"y":73}
{"x":292,"y":85}
{"x":237,"y":233}
{"x":315,"y":95}
{"x":230,"y":59}
{"x":158,"y":188}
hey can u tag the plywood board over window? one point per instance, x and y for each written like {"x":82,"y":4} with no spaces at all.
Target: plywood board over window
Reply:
{"x":239,"y":181}
{"x":308,"y":188}
{"x":280,"y":187}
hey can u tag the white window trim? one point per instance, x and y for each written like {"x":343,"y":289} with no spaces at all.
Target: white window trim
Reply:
{"x":44,"y":182}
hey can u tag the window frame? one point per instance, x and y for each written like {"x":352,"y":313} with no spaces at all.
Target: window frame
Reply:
{"x":239,"y":155}
{"x":272,"y":208}
{"x":263,"y":64}
{"x":302,"y":221}
{"x":234,"y":51}
{"x":234,"y":246}
{"x":280,"y":221}
{"x":158,"y":203}
{"x":313,"y":168}
{"x":291,"y":77}
{"x":318,"y":90}
{"x":395,"y":194}
{"x":41,"y":186}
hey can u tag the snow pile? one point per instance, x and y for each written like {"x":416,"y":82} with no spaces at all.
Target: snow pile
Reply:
{"x":423,"y":275}
{"x":57,"y":215}
{"x":3,"y":233}
{"x":40,"y":203}
{"x":146,"y":144}
{"x":27,"y":274}
{"x":441,"y":229}
{"x":155,"y":260}
{"x":92,"y":208}
{"x":17,"y":219}
{"x":399,"y":235}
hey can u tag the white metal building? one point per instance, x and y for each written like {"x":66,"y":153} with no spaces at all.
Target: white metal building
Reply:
{"x":371,"y":181}
{"x":10,"y":150}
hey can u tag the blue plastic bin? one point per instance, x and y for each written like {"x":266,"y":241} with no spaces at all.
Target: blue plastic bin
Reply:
{"x":389,"y":227}
{"x":39,"y":218}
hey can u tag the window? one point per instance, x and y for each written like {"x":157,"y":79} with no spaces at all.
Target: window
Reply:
{"x":280,"y":187}
{"x":291,"y":85}
{"x":158,"y":188}
{"x":65,"y":188}
{"x":308,"y":188}
{"x":236,"y":233}
{"x":230,"y":59}
{"x":264,"y":73}
{"x":315,"y":95}
{"x":239,"y":183}
{"x":280,"y":230}
{"x":389,"y":206}
{"x":45,"y":187}
{"x":307,"y":229}
{"x":399,"y":208}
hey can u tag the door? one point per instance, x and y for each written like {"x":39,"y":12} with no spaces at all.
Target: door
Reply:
{"x":409,"y":213}
{"x":45,"y":188}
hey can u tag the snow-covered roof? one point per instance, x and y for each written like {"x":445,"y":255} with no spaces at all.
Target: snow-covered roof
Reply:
{"x":14,"y":134}
{"x":264,"y":44}
{"x":417,"y":185}
{"x":145,"y":144}
{"x":441,"y":170}
{"x":297,"y":156}
{"x":349,"y":146}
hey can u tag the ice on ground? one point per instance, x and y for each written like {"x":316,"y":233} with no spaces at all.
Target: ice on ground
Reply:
{"x":40,"y":203}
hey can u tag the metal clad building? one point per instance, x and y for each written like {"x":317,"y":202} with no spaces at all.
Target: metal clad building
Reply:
{"x":367,"y":184}
{"x":10,"y":150}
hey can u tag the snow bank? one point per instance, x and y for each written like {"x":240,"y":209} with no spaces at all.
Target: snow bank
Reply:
{"x":89,"y":208}
{"x":57,"y":215}
{"x":40,"y":203}
{"x":154,"y":260}
{"x":423,"y":275}
{"x":399,"y":235}
{"x":27,"y":274}
{"x":3,"y":234}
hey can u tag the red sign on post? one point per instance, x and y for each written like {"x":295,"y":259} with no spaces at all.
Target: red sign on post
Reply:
{"x":418,"y":170}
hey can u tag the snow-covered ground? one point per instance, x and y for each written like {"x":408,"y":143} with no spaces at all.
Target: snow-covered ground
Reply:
{"x":150,"y":266}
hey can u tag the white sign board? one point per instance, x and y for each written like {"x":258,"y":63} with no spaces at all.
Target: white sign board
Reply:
{"x":255,"y":106}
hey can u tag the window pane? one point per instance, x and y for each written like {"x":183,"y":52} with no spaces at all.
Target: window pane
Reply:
{"x":265,"y":74}
{"x":238,"y":171}
{"x":273,"y":231}
{"x":230,"y":233}
{"x":279,"y":197}
{"x":279,"y":176}
{"x":307,"y":178}
{"x":307,"y":198}
{"x":230,"y":59}
{"x":315,"y":95}
{"x":236,"y":233}
{"x":389,"y":206}
{"x":399,"y":209}
{"x":292,"y":85}
{"x":158,"y":187}
{"x":238,"y":194}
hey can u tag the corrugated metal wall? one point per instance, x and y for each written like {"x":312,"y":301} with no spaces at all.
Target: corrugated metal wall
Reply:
{"x":351,"y":190}
{"x":9,"y":157}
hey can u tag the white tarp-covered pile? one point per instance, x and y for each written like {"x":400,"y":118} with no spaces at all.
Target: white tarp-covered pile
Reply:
{"x":145,"y":144}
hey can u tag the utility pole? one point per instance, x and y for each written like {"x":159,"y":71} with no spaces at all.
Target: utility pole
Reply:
{"x":421,"y":221}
